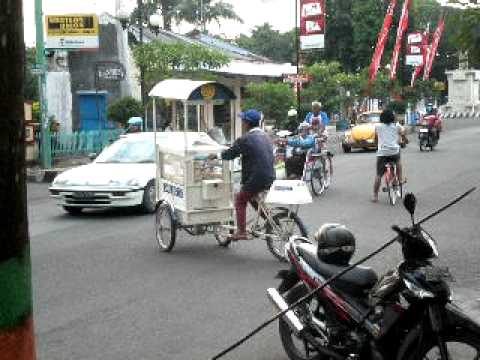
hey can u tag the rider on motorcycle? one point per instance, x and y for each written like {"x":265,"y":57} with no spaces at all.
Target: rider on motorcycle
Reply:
{"x":432,"y":120}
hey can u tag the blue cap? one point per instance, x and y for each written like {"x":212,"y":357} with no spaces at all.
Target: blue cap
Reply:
{"x":251,"y":116}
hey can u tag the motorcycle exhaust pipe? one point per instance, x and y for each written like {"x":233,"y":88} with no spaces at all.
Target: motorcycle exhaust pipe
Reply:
{"x":279,"y":302}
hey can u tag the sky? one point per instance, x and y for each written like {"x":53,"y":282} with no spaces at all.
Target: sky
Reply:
{"x":278,"y":13}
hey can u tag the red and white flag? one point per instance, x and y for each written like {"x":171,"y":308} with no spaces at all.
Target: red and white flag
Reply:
{"x":432,"y":49}
{"x":402,"y":28}
{"x":381,"y":41}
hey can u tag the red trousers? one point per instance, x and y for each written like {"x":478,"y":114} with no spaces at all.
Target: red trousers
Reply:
{"x":241,"y":201}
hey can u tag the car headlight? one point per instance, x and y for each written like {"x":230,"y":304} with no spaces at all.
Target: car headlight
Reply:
{"x":133,"y":182}
{"x":60,"y":181}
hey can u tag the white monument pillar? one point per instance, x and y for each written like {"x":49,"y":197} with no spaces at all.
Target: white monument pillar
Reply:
{"x":463,"y":92}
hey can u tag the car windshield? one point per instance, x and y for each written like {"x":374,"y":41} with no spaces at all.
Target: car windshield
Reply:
{"x":128,"y":151}
{"x":369,"y":118}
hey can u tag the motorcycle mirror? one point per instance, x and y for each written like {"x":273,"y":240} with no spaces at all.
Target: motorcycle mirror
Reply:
{"x":410,"y":203}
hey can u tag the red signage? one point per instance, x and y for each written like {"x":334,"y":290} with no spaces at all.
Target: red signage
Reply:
{"x":312,"y":24}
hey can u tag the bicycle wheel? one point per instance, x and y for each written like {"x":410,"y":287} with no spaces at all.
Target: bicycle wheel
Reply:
{"x":165,"y":228}
{"x":286,"y":225}
{"x":392,"y":193}
{"x":317,"y":181}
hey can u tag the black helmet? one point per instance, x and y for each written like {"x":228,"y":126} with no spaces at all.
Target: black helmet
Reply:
{"x":336,"y":244}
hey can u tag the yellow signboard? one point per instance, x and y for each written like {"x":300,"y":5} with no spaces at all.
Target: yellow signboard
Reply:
{"x":72,"y":25}
{"x":77,"y":31}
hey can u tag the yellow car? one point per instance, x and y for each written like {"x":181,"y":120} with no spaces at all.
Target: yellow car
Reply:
{"x":362,"y":134}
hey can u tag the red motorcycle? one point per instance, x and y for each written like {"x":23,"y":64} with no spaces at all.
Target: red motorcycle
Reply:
{"x":406,"y":315}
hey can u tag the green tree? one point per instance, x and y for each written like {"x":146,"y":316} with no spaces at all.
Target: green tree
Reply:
{"x":160,"y":60}
{"x":30,"y":90}
{"x":273,"y":99}
{"x":123,"y":109}
{"x":330,"y":85}
{"x":466,"y":33}
{"x":192,"y":12}
{"x":186,"y":10}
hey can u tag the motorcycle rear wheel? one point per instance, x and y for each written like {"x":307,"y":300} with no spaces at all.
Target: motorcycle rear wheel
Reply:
{"x":295,"y":347}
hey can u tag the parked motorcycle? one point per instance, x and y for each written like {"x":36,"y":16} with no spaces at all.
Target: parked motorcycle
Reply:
{"x":427,"y":138}
{"x":406,"y":315}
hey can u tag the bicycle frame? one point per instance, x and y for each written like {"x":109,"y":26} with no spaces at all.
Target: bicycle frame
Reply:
{"x":267,"y":211}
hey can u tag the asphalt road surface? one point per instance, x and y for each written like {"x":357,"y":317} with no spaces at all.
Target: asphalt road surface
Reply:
{"x":102,"y":290}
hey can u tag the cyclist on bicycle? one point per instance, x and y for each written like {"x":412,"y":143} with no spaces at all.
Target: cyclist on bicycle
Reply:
{"x":317,"y":118}
{"x":258,"y":173}
{"x":387,"y":136}
{"x":301,"y":144}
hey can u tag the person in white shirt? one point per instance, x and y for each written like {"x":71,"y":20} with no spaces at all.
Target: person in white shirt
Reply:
{"x":387,"y":136}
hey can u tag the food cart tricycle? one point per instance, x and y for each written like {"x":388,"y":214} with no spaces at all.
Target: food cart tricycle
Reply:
{"x":194,"y":193}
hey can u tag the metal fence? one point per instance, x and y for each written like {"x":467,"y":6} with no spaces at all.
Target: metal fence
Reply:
{"x":82,"y":142}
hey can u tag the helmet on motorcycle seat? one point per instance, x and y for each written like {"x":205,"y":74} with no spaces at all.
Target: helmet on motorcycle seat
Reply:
{"x":336,"y":244}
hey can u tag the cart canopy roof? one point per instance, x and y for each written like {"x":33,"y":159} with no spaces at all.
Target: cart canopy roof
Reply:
{"x":191,"y":90}
{"x":188,"y":143}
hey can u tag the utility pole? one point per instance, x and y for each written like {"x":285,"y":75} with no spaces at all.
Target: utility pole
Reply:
{"x":16,"y":319}
{"x":297,"y":47}
{"x":141,"y":17}
{"x":45,"y":146}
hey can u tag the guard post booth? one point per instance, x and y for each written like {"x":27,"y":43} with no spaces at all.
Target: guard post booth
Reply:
{"x":198,"y":106}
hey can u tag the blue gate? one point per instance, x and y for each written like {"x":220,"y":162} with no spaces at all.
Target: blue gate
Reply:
{"x":92,"y":109}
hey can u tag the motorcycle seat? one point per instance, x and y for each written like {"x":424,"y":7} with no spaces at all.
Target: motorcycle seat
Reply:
{"x":357,"y":281}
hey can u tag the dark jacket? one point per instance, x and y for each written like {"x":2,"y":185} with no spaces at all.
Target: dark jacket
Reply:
{"x":257,"y":160}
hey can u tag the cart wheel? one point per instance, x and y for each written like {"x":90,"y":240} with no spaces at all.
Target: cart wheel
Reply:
{"x":165,"y":228}
{"x":222,"y":234}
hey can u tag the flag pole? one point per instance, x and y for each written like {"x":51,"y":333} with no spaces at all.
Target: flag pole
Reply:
{"x":297,"y":45}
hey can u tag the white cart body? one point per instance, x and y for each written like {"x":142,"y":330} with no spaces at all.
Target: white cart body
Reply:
{"x":198,"y":190}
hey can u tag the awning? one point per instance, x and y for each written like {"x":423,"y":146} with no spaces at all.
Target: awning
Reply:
{"x":184,"y":89}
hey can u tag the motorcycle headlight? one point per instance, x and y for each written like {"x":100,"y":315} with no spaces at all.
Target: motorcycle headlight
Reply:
{"x":417,"y":290}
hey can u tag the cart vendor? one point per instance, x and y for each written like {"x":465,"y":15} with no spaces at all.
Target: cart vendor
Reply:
{"x":258,"y":173}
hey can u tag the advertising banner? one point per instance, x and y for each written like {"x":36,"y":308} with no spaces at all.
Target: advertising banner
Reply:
{"x":402,"y":27}
{"x":381,"y":41}
{"x":71,"y":32}
{"x":312,"y":24}
{"x":432,"y":50}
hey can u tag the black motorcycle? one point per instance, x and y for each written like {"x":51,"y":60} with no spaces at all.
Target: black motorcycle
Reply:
{"x":427,"y":138}
{"x":406,"y":315}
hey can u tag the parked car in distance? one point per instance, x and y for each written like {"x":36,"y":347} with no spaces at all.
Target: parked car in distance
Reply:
{"x":361,"y":134}
{"x":122,"y":175}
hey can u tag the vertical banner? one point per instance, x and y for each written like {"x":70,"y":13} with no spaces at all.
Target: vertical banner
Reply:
{"x":432,"y":49}
{"x":381,"y":41}
{"x":312,"y":24}
{"x":402,"y":28}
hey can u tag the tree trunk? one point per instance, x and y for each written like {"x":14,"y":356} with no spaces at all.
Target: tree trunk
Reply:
{"x":16,"y":325}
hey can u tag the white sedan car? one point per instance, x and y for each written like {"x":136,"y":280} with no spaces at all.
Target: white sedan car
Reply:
{"x":122,"y":175}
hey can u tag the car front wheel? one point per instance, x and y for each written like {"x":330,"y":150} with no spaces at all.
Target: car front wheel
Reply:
{"x":148,"y":202}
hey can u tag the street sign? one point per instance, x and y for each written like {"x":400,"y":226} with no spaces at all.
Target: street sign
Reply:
{"x":312,"y":24}
{"x":110,"y":71}
{"x":72,"y":31}
{"x":38,"y":69}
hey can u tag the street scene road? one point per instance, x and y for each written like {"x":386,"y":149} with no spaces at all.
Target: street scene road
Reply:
{"x":102,"y":290}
